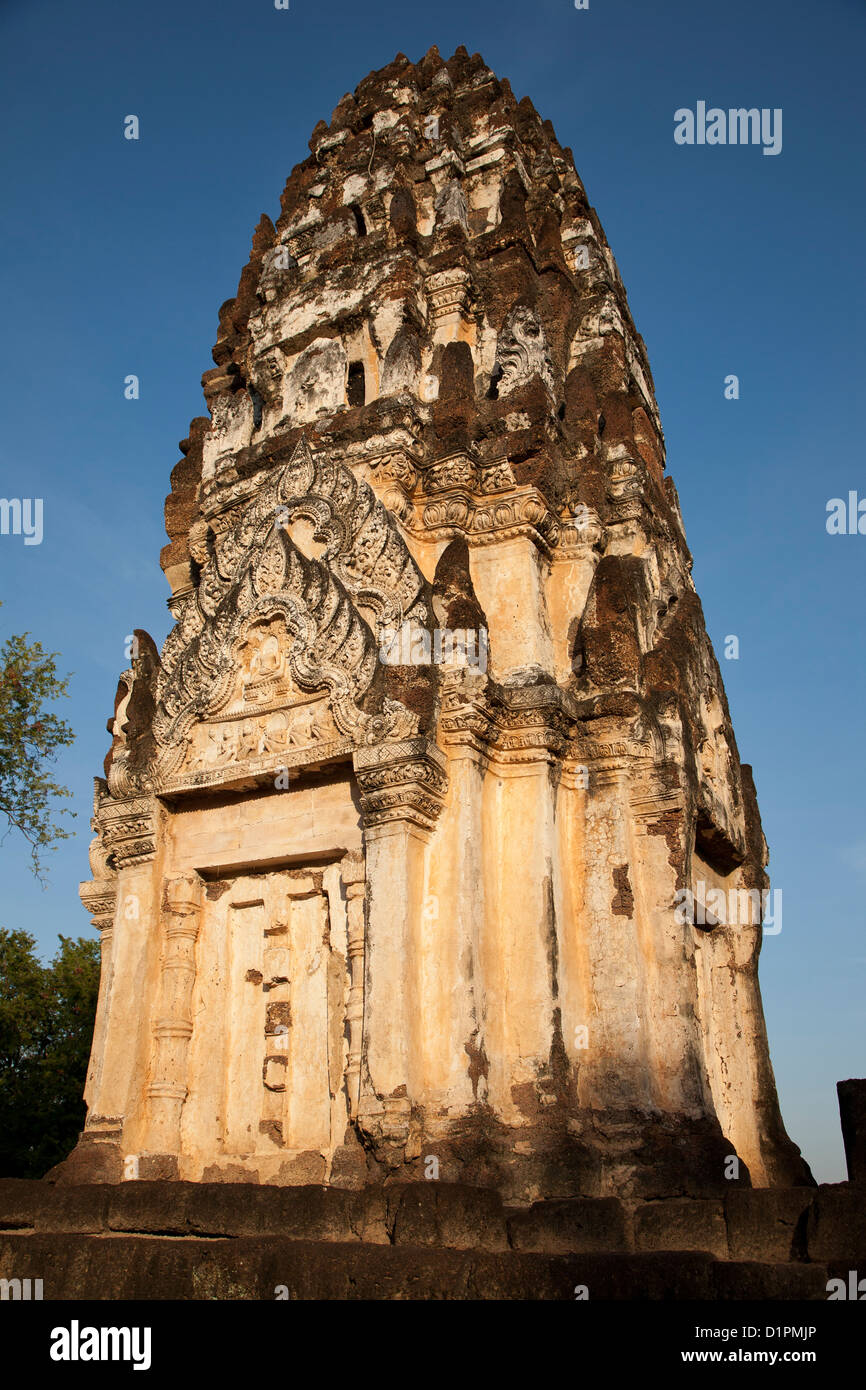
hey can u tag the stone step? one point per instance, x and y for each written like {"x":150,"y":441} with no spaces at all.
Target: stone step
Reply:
{"x":123,"y":1266}
{"x":771,"y":1226}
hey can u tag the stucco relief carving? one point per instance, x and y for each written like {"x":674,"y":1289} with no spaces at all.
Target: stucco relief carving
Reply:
{"x":231,"y":430}
{"x":99,"y":894}
{"x":522,"y":351}
{"x":317,"y":380}
{"x":269,"y":628}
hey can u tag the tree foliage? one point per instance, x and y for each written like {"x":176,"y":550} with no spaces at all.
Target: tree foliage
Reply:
{"x":46,"y":1026}
{"x":30,"y":735}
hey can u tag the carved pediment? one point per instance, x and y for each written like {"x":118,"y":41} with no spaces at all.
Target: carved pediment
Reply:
{"x":276,"y":651}
{"x":267,"y":719}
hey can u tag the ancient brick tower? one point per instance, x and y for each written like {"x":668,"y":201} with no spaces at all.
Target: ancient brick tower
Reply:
{"x":369,"y":901}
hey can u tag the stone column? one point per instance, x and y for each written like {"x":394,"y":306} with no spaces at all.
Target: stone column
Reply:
{"x":509,"y":579}
{"x":277,"y":971}
{"x":99,"y":898}
{"x":455,"y":907}
{"x":575,"y":970}
{"x":852,"y":1110}
{"x":173,"y":1027}
{"x":617,"y":1074}
{"x":353,"y":875}
{"x":402,"y":788}
{"x":119,"y":898}
{"x":519,"y":948}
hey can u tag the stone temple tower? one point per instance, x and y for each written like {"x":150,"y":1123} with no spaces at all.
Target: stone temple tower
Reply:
{"x":418,"y":838}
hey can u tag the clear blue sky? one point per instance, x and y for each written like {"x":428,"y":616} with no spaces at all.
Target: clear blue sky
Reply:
{"x":117,"y":255}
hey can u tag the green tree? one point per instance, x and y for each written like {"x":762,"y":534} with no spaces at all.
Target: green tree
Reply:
{"x":46,"y":1026}
{"x":30,"y":735}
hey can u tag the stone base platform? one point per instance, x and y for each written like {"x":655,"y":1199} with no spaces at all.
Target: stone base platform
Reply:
{"x":174,"y":1240}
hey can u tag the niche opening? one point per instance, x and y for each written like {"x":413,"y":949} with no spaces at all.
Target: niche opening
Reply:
{"x":356,"y":388}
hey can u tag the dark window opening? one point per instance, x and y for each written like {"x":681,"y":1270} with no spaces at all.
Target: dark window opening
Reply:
{"x":601,"y":424}
{"x":493,"y":389}
{"x":258,"y":405}
{"x":560,"y":414}
{"x":360,"y":224}
{"x":356,"y":390}
{"x":714,"y":847}
{"x":575,"y":646}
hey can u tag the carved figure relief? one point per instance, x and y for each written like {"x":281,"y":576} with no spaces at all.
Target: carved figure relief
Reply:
{"x":316,"y":381}
{"x":522,"y":352}
{"x":268,"y":627}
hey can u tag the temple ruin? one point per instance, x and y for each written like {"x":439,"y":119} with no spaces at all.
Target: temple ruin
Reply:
{"x":394,"y":833}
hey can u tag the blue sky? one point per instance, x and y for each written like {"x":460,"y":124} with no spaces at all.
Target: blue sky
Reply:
{"x":116,"y":256}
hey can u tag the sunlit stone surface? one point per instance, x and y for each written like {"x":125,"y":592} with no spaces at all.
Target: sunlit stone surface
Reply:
{"x":368,"y":919}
